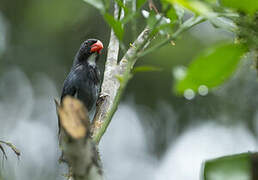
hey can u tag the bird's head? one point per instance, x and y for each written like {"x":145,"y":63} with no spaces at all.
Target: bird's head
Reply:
{"x":88,"y":48}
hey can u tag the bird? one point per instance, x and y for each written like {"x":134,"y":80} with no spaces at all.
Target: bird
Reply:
{"x":83,"y":80}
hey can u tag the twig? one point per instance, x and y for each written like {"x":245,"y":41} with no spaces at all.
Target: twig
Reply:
{"x":152,"y":6}
{"x":185,"y":26}
{"x":14,"y":149}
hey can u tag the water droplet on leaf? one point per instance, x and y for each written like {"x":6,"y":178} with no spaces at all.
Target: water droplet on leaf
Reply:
{"x":203,"y":90}
{"x":189,"y":94}
{"x":179,"y":72}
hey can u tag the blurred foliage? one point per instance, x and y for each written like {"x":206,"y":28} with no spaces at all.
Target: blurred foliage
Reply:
{"x":214,"y":66}
{"x":97,"y":4}
{"x":250,"y":7}
{"x":211,"y":68}
{"x":146,"y":69}
{"x":116,"y":25}
{"x":237,"y":167}
{"x":43,"y":37}
{"x":247,"y":32}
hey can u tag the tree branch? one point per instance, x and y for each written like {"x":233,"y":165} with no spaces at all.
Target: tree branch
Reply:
{"x":10,"y":145}
{"x":110,"y":83}
{"x":78,"y":150}
{"x":114,"y":87}
{"x":78,"y":137}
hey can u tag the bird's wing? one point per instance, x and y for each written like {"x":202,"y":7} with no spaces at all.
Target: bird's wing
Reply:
{"x":69,"y":87}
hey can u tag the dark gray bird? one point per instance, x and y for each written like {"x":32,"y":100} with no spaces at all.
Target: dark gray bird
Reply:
{"x":83,"y":81}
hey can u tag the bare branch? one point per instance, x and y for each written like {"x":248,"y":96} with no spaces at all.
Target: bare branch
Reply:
{"x":10,"y":145}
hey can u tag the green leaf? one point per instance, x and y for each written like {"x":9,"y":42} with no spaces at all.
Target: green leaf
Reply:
{"x":212,"y":67}
{"x":96,"y":3}
{"x":212,"y":1}
{"x":180,"y":12}
{"x":166,"y":29}
{"x":249,"y":6}
{"x":195,"y":6}
{"x":121,"y":5}
{"x":116,"y":25}
{"x":165,"y":26}
{"x":224,"y":23}
{"x":129,"y":17}
{"x":139,"y":3}
{"x":151,"y":21}
{"x":146,"y":69}
{"x":234,"y":167}
{"x":172,"y":14}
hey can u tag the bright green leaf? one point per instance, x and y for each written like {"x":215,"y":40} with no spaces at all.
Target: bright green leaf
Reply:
{"x":234,"y":167}
{"x":170,"y":10}
{"x":96,"y":3}
{"x":171,"y":14}
{"x":212,"y":1}
{"x":212,"y":67}
{"x":120,"y":78}
{"x":146,"y":69}
{"x":249,"y":6}
{"x":116,"y":25}
{"x":195,"y":6}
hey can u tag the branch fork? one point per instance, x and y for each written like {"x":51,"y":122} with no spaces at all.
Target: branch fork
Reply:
{"x":79,"y":137}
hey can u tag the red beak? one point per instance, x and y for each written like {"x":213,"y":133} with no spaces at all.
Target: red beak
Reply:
{"x":96,"y":47}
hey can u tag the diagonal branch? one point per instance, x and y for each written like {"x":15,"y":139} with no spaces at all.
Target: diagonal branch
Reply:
{"x":114,"y":87}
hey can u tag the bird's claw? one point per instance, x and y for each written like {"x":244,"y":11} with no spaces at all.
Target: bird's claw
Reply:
{"x":101,"y":98}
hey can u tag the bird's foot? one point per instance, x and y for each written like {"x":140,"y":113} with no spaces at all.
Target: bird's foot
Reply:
{"x":101,"y":98}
